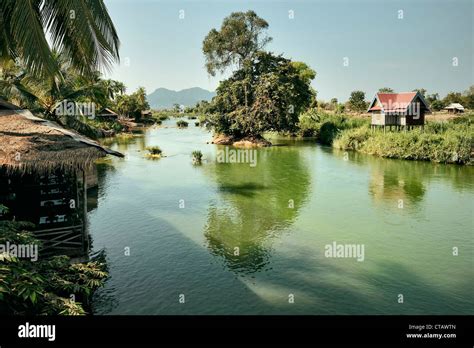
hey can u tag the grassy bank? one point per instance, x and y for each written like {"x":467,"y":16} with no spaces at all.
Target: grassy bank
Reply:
{"x":326,"y":127}
{"x":442,"y":142}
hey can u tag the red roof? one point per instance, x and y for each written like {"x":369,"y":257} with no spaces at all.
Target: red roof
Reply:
{"x":393,"y":102}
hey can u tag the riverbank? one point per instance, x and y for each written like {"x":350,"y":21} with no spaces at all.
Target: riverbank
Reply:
{"x":447,"y":141}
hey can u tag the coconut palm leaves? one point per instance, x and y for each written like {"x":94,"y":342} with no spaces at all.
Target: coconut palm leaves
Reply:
{"x":81,"y":30}
{"x":13,"y":85}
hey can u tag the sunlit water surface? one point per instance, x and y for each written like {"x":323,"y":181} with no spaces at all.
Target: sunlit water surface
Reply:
{"x":250,"y":239}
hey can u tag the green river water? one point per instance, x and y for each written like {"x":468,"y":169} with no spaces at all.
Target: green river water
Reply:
{"x":184,"y":223}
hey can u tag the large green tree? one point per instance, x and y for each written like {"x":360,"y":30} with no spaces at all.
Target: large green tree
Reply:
{"x":357,"y":101}
{"x":132,"y":105}
{"x":240,"y":37}
{"x":385,"y":90}
{"x":266,"y":92}
{"x":81,"y":30}
{"x":469,"y":97}
{"x":422,"y":91}
{"x":265,"y":95}
{"x":14,"y":84}
{"x":453,"y":97}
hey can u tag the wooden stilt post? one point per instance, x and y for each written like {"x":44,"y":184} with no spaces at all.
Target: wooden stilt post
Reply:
{"x":84,"y":219}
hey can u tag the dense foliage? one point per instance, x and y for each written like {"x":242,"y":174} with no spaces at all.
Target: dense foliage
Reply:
{"x":51,"y":286}
{"x":182,"y":124}
{"x":239,"y":38}
{"x":132,"y":105}
{"x":357,"y":101}
{"x":324,"y":126}
{"x":451,"y":146}
{"x":267,"y":94}
{"x":445,"y":142}
{"x":154,"y":150}
{"x":81,"y":30}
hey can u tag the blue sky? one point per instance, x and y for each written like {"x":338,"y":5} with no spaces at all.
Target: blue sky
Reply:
{"x":158,"y":49}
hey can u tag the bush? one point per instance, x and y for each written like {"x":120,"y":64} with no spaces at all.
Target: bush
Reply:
{"x":105,"y":125}
{"x":182,"y":124}
{"x":154,"y":150}
{"x":325,"y":127}
{"x":467,"y":119}
{"x":197,"y":156}
{"x":446,"y":142}
{"x":328,"y":133}
{"x":43,"y":287}
{"x":352,"y":139}
{"x":309,"y":124}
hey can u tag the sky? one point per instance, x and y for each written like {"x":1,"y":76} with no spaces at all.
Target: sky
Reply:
{"x":352,"y":44}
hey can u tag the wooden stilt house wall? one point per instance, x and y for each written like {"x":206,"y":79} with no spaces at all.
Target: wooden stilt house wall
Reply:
{"x":43,"y":179}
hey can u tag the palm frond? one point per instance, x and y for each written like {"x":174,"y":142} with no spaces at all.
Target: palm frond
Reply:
{"x":29,"y":38}
{"x":84,"y":31}
{"x":81,"y":30}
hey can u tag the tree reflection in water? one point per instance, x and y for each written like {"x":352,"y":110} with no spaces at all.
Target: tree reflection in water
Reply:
{"x":254,"y":205}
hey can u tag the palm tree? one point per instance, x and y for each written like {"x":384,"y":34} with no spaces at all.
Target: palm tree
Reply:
{"x":112,"y":88}
{"x":13,"y":85}
{"x":81,"y":30}
{"x":67,"y":85}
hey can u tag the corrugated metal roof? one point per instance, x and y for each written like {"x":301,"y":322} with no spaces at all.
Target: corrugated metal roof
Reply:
{"x":394,"y":102}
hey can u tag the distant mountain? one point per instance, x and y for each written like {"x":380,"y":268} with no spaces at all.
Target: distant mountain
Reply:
{"x":163,"y":98}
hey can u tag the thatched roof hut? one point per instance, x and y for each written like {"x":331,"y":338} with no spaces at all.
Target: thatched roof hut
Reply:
{"x":29,"y":144}
{"x":107,"y":114}
{"x":147,"y":113}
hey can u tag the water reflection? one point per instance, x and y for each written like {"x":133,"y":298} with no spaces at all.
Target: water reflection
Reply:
{"x":392,"y":179}
{"x":231,"y":206}
{"x":254,"y":205}
{"x":391,"y":182}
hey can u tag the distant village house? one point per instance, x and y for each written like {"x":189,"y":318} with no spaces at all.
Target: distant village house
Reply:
{"x":107,"y":115}
{"x":454,"y":108}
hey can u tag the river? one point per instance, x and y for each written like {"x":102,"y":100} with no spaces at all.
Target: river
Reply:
{"x":232,"y":238}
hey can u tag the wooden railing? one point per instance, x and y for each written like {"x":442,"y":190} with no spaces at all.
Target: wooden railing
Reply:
{"x":64,"y":240}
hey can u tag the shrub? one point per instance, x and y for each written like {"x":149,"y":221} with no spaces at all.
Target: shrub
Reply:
{"x":467,"y":119}
{"x":309,"y":125}
{"x":154,"y":150}
{"x":352,"y":139}
{"x":197,"y":156}
{"x":182,"y":124}
{"x":325,"y":127}
{"x":105,"y":125}
{"x":440,"y":142}
{"x":43,"y":287}
{"x":328,"y":132}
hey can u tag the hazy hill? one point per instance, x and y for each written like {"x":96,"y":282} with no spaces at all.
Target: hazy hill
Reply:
{"x":163,"y":98}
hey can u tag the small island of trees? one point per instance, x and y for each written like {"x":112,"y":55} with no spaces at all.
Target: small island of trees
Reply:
{"x":266,"y":92}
